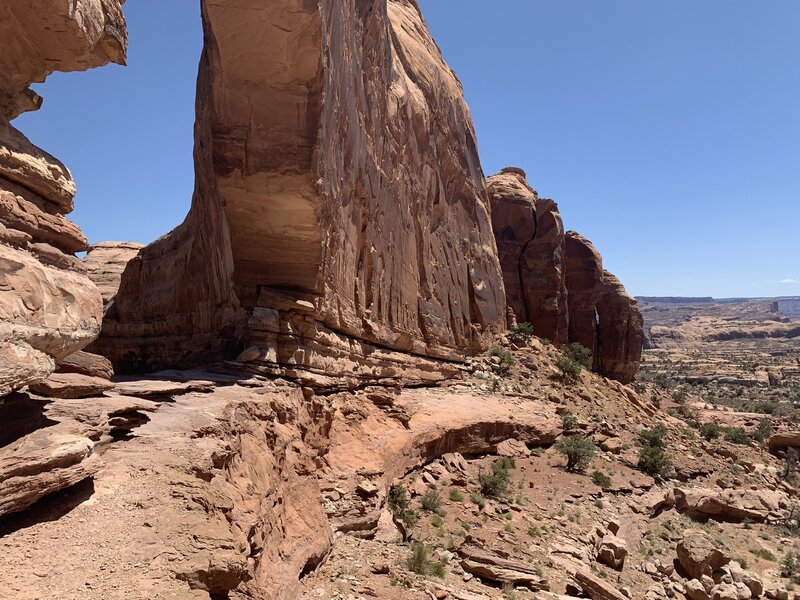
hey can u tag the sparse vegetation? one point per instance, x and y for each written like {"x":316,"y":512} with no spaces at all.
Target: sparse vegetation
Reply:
{"x":601,"y":479}
{"x":569,"y":421}
{"x":420,"y":562}
{"x":495,"y":483}
{"x":574,"y":358}
{"x":652,"y":456}
{"x":790,"y":465}
{"x":736,"y":435}
{"x":401,"y":510}
{"x":456,"y":496}
{"x":579,"y":451}
{"x":431,"y":501}
{"x":479,"y":500}
{"x":763,"y":430}
{"x":505,"y":357}
{"x":521,"y":334}
{"x":710,"y":431}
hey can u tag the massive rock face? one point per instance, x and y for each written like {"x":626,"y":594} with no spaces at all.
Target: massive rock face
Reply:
{"x":339,"y":204}
{"x":48,"y":307}
{"x":556,"y":281}
{"x":530,"y":243}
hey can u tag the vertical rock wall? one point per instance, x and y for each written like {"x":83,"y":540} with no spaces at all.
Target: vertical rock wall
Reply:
{"x":556,"y":281}
{"x":48,"y":306}
{"x":339,"y":205}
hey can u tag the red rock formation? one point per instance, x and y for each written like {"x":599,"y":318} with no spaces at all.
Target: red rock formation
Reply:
{"x":530,"y":243}
{"x":602,"y":316}
{"x":584,"y":278}
{"x":556,"y":281}
{"x":339,"y":203}
{"x":48,"y":307}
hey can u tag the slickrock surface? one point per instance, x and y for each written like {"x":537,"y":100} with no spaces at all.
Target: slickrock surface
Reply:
{"x":556,"y":281}
{"x":48,"y":307}
{"x":340,"y":203}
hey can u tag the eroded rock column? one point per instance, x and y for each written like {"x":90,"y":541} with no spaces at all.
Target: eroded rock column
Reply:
{"x":48,"y":306}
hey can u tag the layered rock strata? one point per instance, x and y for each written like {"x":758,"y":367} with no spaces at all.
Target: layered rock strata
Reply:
{"x":339,"y":206}
{"x":48,"y":306}
{"x":556,"y":281}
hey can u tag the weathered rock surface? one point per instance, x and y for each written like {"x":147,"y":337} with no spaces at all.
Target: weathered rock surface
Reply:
{"x":347,"y":212}
{"x":734,"y":505}
{"x":612,"y":551}
{"x":784,"y":440}
{"x":530,"y":243}
{"x":105,"y":263}
{"x":41,"y":463}
{"x":556,"y":281}
{"x":86,"y":363}
{"x":48,"y":307}
{"x":498,"y":568}
{"x":71,"y":385}
{"x":699,"y":555}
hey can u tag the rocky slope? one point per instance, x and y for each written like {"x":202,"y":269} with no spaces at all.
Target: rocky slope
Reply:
{"x":555,"y":280}
{"x":224,"y":486}
{"x":49,"y":308}
{"x":340,"y":254}
{"x":346,"y":215}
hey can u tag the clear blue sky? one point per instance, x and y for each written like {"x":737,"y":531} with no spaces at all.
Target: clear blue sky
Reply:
{"x":667,"y":130}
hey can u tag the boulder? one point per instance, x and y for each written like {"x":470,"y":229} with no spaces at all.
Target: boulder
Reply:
{"x":72,"y":385}
{"x":43,"y":462}
{"x":699,"y":555}
{"x":596,"y":588}
{"x":306,"y":237}
{"x":48,"y":307}
{"x":783,"y":440}
{"x":733,"y":505}
{"x":695,"y":590}
{"x":725,"y":591}
{"x":612,"y":552}
{"x":500,"y":568}
{"x":513,"y":448}
{"x":86,"y":363}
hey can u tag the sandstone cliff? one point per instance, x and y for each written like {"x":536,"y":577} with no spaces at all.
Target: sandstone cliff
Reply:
{"x":556,"y":281}
{"x":48,"y":306}
{"x":339,"y":206}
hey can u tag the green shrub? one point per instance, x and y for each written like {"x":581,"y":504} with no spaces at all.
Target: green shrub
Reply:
{"x":790,"y":465}
{"x":569,"y":368}
{"x":736,"y":435}
{"x":763,"y":431}
{"x":569,"y":421}
{"x":495,"y":483}
{"x":506,"y":358}
{"x":579,"y":451}
{"x":710,"y":431}
{"x":652,"y":457}
{"x":601,"y":479}
{"x":521,"y":334}
{"x":400,"y":508}
{"x":437,"y":521}
{"x":579,"y":353}
{"x":420,"y":562}
{"x":479,"y":500}
{"x":431,"y":501}
{"x":456,"y":496}
{"x":679,"y":396}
